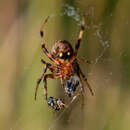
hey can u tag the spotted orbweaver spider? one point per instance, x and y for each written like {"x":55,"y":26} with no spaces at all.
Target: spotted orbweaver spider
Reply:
{"x":65,"y":68}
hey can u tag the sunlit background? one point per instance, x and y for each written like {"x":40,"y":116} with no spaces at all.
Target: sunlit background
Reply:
{"x":106,"y":42}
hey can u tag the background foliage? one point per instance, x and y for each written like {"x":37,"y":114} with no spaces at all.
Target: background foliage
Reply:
{"x":105,"y":42}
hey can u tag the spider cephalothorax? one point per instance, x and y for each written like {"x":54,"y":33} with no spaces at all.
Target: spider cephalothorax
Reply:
{"x":62,"y":50}
{"x":65,"y":69}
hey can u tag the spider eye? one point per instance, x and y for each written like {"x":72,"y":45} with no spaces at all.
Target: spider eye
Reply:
{"x":68,"y":53}
{"x":61,"y":54}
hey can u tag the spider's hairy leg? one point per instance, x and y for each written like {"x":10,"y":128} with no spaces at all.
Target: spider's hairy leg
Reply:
{"x":42,"y":27}
{"x":85,"y":79}
{"x":45,"y":84}
{"x":48,"y":54}
{"x":39,"y":80}
{"x":80,"y":36}
{"x":50,"y":66}
{"x":44,"y":62}
{"x":43,"y":44}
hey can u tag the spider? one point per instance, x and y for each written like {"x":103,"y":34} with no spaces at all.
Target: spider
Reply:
{"x":64,"y":68}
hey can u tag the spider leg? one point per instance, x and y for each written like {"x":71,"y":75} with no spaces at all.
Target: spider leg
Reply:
{"x":39,"y":80}
{"x":41,"y":30}
{"x":80,"y":37}
{"x":45,"y":84}
{"x":43,"y":44}
{"x":48,"y":54}
{"x":44,"y":62}
{"x":85,"y":79}
{"x":50,"y":66}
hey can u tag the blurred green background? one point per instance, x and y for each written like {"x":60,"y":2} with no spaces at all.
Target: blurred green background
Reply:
{"x":106,"y":42}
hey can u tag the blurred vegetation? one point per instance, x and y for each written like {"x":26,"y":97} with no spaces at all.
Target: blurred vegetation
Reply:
{"x":105,"y":42}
